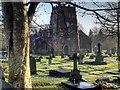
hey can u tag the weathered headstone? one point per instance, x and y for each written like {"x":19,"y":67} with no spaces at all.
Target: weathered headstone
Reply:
{"x":32,"y":65}
{"x":99,"y":58}
{"x":75,"y":73}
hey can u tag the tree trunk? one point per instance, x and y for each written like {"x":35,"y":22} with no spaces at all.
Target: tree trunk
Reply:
{"x":19,"y":67}
{"x":118,"y":21}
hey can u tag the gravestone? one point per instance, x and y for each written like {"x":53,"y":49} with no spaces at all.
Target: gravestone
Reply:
{"x":99,"y":59}
{"x":32,"y":65}
{"x":75,"y":73}
{"x":75,"y":81}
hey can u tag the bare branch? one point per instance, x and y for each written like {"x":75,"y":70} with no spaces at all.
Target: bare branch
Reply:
{"x":94,"y":11}
{"x":31,"y":10}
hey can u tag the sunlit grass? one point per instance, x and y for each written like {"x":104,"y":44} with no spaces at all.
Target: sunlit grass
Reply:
{"x":89,"y":72}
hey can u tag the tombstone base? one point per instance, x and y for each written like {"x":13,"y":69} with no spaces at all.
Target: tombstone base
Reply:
{"x":75,"y":76}
{"x":81,"y":86}
{"x":59,"y":73}
{"x":92,"y":62}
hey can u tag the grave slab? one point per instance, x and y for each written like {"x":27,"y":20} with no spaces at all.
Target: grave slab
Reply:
{"x":59,"y":73}
{"x":93,"y":62}
{"x":81,"y":86}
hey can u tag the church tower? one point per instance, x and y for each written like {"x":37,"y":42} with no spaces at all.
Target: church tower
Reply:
{"x":63,"y":25}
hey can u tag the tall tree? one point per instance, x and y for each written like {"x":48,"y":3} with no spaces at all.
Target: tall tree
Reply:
{"x":16,"y":22}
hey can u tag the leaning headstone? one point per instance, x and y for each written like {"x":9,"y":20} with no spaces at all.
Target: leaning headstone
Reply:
{"x":32,"y":65}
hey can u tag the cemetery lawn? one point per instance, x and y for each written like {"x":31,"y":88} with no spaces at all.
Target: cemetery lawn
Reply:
{"x":42,"y":80}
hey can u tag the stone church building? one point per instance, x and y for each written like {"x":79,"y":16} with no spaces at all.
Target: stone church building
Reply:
{"x":62,"y":36}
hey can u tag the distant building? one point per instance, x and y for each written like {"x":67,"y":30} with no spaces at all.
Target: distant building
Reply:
{"x":85,"y":41}
{"x":63,"y":35}
{"x":39,"y":41}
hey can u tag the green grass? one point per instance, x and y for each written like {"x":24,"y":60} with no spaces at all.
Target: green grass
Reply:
{"x":89,"y":72}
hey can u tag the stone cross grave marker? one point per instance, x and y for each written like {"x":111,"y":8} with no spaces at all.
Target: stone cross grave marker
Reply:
{"x":99,"y":57}
{"x":75,"y":73}
{"x":99,"y":47}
